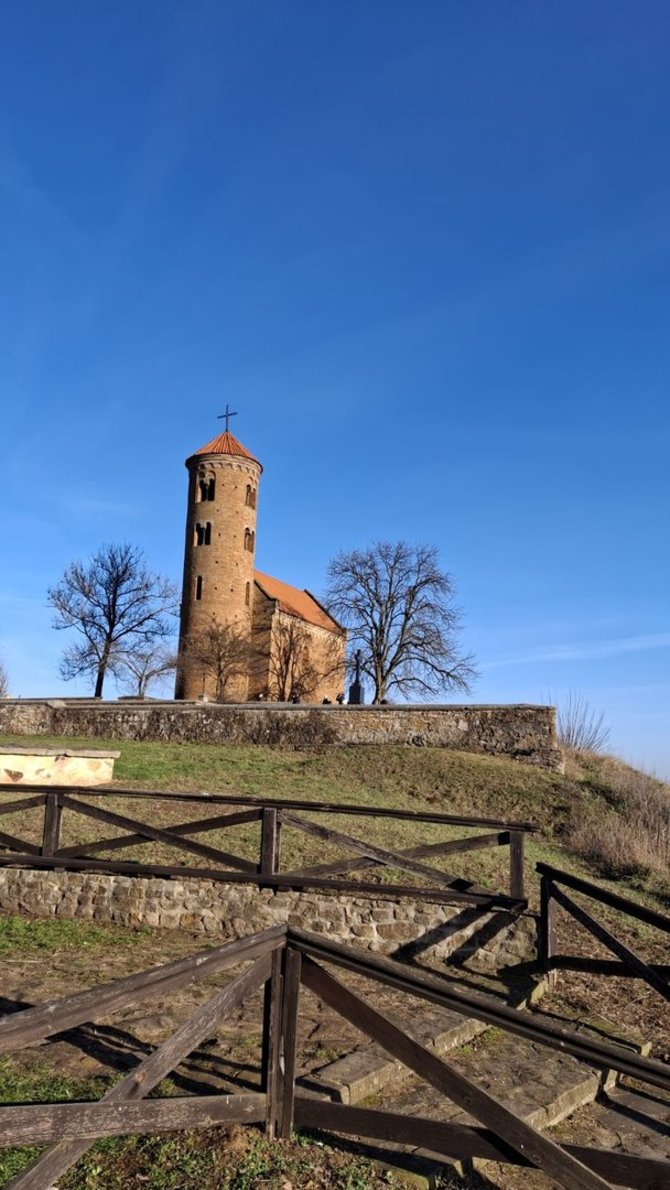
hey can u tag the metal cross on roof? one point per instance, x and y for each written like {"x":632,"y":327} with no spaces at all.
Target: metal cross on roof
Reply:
{"x":228,"y":414}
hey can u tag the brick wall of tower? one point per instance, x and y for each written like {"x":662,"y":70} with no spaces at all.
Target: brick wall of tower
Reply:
{"x":219,"y":558}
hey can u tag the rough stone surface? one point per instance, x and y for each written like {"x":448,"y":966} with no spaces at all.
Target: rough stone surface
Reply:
{"x":526,"y":733}
{"x":226,"y":911}
{"x":55,"y":766}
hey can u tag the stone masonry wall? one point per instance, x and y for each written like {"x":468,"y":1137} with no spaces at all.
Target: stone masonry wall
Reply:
{"x":526,"y":733}
{"x":396,"y":927}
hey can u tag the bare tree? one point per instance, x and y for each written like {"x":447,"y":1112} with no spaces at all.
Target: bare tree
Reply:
{"x":292,"y":670}
{"x":223,"y":653}
{"x":580,"y":727}
{"x":398,"y":606}
{"x":116,"y":605}
{"x":4,"y":682}
{"x":138,"y":670}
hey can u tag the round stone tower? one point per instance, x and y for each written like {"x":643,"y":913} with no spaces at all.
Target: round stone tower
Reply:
{"x":219,"y":556}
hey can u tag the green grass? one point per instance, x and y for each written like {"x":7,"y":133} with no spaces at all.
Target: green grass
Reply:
{"x":201,"y":1160}
{"x":403,"y":778}
{"x":24,"y":934}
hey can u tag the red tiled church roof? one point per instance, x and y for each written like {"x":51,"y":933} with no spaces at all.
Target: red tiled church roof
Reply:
{"x":224,"y":444}
{"x":295,"y":602}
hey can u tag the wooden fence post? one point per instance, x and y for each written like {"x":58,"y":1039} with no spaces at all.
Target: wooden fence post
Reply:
{"x":516,"y":864}
{"x":271,"y":1050}
{"x":270,"y":841}
{"x":53,"y":810}
{"x":547,"y":930}
{"x":289,"y":1031}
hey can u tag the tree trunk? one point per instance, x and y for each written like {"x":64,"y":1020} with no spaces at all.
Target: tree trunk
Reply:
{"x":100,"y":677}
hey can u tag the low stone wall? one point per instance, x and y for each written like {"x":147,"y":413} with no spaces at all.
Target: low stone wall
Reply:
{"x":398,"y":927}
{"x":526,"y":733}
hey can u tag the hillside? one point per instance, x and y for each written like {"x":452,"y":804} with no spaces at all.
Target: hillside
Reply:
{"x":600,"y":818}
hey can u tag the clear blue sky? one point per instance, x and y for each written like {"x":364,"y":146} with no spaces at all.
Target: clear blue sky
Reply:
{"x":424,"y":249}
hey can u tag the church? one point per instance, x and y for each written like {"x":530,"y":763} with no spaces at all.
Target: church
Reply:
{"x":245,"y":635}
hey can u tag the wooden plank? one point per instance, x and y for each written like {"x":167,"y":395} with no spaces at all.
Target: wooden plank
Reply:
{"x":603,"y":894}
{"x":289,"y":1034}
{"x":392,"y":859}
{"x":545,"y":1154}
{"x":270,"y":841}
{"x":193,"y":826}
{"x":41,"y":1123}
{"x":159,"y":834}
{"x":436,"y":990}
{"x":53,"y":810}
{"x":19,"y":1029}
{"x":443,"y":895}
{"x":46,"y":1169}
{"x":612,"y":967}
{"x":347,"y":808}
{"x":516,"y":865}
{"x":271,"y":1049}
{"x":448,"y":847}
{"x":18,"y":845}
{"x":547,"y":930}
{"x":21,"y":804}
{"x":461,"y":1141}
{"x":628,"y":956}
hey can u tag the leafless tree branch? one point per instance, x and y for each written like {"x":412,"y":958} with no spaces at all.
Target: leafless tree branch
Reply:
{"x":398,"y":607}
{"x":116,"y":605}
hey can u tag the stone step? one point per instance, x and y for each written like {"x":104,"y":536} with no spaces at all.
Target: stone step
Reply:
{"x":550,"y":1090}
{"x":368,"y":1069}
{"x":625,"y":1119}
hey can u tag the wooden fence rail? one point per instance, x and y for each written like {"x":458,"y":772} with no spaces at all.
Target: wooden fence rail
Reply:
{"x":273,"y":817}
{"x":283,"y":960}
{"x":552,"y":895}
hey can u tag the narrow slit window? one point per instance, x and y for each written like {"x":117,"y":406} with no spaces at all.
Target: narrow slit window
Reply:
{"x":199,"y":534}
{"x":249,"y":539}
{"x":247,"y":594}
{"x":198,"y":587}
{"x":211,"y":488}
{"x":208,"y":533}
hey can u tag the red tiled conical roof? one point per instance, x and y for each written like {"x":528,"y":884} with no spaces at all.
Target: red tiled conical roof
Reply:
{"x":224,"y":444}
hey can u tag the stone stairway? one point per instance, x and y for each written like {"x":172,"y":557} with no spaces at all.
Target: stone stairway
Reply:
{"x":550,"y":1090}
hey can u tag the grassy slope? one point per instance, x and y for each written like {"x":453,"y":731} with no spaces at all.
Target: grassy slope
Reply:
{"x":404,"y":778}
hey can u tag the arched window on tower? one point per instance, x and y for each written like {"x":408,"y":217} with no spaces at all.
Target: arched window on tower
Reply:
{"x":208,"y":533}
{"x":247,"y":594}
{"x":203,"y":533}
{"x":206,"y":487}
{"x":251,"y":496}
{"x":249,"y":539}
{"x":198,"y":587}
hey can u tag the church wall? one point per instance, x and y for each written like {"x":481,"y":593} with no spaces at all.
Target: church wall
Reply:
{"x":259,"y":678}
{"x":319,"y":660}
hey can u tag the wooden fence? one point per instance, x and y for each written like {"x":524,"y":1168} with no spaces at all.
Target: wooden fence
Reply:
{"x":272,"y":816}
{"x":284,"y":960}
{"x":552,"y":895}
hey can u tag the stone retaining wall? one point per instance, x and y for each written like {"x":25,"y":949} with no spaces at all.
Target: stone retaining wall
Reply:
{"x":399,"y":927}
{"x":526,"y":733}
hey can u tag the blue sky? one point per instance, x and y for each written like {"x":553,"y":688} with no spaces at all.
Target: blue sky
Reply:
{"x":424,"y":250}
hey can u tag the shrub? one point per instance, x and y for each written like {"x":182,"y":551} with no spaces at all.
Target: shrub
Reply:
{"x":579,"y":727}
{"x":633,"y":837}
